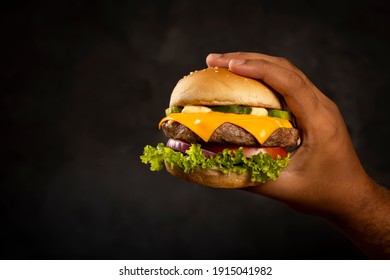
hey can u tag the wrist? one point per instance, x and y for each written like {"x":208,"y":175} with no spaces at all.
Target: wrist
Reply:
{"x":364,"y":219}
{"x":357,"y":202}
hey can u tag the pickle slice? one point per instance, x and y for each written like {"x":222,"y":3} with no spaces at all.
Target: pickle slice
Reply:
{"x":280,"y":114}
{"x":232,"y":109}
{"x":171,"y":110}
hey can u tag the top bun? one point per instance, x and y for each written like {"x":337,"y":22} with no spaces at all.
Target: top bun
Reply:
{"x":219,"y":87}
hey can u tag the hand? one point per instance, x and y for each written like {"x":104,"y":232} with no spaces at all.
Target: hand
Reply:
{"x":324,"y":170}
{"x":325,"y":176}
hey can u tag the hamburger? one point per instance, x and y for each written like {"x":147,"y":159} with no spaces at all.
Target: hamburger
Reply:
{"x":224,"y":131}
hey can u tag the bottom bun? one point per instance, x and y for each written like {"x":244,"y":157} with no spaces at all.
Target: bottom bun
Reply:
{"x":214,"y":177}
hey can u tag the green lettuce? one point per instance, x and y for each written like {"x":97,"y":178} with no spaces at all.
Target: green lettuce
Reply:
{"x":261,"y":166}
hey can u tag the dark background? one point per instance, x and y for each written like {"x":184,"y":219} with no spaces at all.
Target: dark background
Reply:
{"x":84,"y":86}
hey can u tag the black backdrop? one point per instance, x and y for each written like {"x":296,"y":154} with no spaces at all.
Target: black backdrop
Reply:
{"x":84,"y":86}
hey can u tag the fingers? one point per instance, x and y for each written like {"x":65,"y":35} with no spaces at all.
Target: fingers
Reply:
{"x":298,"y":92}
{"x":222,"y":60}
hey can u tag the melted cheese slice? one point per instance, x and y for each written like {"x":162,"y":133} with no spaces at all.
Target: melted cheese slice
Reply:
{"x":204,"y":124}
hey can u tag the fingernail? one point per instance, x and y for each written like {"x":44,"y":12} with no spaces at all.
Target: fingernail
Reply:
{"x":215,"y":55}
{"x":238,"y":61}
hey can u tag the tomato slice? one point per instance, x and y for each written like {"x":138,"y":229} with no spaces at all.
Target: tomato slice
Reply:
{"x":247,"y":150}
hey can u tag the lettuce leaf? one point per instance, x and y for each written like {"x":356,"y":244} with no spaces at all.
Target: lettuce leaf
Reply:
{"x":262,"y":166}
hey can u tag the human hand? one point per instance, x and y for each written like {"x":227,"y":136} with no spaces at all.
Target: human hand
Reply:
{"x":325,"y":176}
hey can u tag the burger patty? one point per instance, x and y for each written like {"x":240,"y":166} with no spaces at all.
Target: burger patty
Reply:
{"x":229,"y":133}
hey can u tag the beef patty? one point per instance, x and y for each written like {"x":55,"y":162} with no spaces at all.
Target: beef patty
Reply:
{"x":229,"y":133}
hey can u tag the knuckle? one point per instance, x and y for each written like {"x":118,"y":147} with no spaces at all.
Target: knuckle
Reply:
{"x":284,"y":61}
{"x":297,"y":81}
{"x":330,"y":123}
{"x":334,"y":108}
{"x":238,"y":54}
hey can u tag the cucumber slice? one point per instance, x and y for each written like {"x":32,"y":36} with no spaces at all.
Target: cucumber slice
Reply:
{"x":175,"y":109}
{"x":232,"y":109}
{"x":280,"y":114}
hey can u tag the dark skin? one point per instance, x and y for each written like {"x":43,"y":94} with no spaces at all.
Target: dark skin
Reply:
{"x":325,"y":176}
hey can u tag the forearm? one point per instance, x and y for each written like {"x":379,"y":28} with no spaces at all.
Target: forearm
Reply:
{"x":367,"y":224}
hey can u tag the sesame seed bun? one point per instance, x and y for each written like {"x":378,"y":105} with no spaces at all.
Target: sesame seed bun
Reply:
{"x":221,"y":87}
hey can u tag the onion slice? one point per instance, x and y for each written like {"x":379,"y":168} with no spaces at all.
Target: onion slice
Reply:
{"x":182,"y":146}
